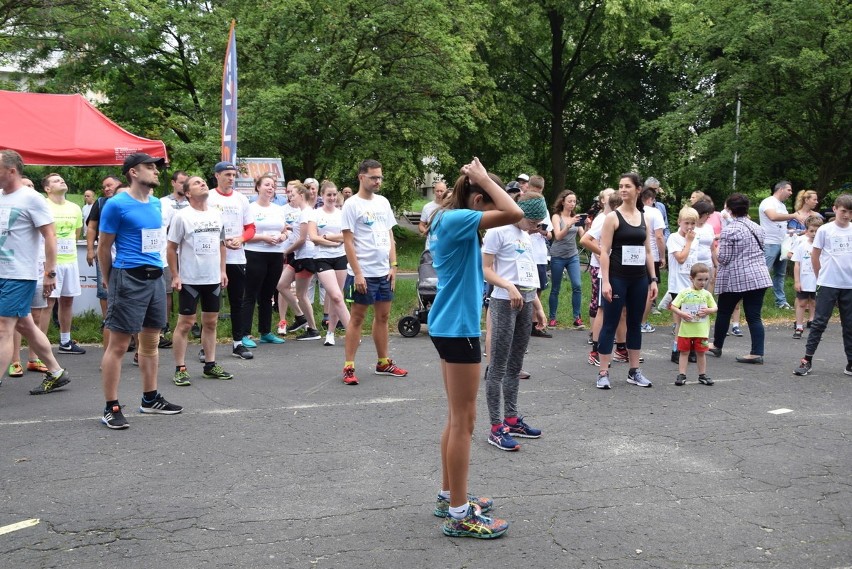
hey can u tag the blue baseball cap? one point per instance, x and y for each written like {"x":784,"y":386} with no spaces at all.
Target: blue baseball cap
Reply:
{"x":223,"y":166}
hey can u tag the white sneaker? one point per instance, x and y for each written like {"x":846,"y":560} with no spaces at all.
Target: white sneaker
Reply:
{"x":282,"y":327}
{"x":329,"y":338}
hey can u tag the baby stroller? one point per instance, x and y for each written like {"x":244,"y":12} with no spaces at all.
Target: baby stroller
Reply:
{"x":427,"y":289}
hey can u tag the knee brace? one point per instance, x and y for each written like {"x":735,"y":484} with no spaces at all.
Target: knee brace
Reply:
{"x":148,"y":340}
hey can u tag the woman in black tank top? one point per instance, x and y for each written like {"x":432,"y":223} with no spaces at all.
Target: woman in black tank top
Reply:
{"x":626,"y":264}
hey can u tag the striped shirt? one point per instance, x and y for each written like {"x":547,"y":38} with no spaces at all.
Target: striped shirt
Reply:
{"x":742,"y":265}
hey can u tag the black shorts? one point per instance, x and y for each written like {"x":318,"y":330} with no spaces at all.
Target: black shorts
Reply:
{"x":303,"y":267}
{"x":189,"y":296}
{"x":805,"y":295}
{"x":332,"y":264}
{"x":458,"y":350}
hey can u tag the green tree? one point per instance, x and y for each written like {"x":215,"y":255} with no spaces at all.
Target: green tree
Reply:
{"x":789,"y":62}
{"x":574,"y":83}
{"x":327,"y":83}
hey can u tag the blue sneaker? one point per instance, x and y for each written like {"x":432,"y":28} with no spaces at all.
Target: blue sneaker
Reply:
{"x":269,"y":338}
{"x":248,"y":342}
{"x":502,"y":440}
{"x":522,"y":430}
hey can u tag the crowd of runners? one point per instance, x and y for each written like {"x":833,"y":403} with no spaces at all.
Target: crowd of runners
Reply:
{"x":271,"y":252}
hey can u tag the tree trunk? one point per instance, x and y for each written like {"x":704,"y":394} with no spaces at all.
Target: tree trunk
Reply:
{"x":557,"y":103}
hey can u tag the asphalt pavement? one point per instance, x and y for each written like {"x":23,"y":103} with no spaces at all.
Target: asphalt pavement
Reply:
{"x":284,"y":466}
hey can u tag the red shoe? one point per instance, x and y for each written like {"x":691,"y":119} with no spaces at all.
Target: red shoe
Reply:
{"x":390,"y":368}
{"x":37,"y":366}
{"x":349,"y":376}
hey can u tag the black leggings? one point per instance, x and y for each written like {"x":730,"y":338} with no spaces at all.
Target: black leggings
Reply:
{"x":236,"y":291}
{"x":631,"y":293}
{"x":262,"y":273}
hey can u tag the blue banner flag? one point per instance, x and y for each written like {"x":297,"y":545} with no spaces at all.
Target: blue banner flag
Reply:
{"x":229,"y":99}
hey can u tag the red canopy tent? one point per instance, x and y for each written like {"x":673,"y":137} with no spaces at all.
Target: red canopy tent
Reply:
{"x":66,"y":130}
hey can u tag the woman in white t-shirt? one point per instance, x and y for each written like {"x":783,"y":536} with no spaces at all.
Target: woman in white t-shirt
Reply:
{"x":299,"y":265}
{"x":325,"y":230}
{"x":264,"y":259}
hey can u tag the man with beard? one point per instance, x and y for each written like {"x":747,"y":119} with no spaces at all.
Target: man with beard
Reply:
{"x":136,"y":301}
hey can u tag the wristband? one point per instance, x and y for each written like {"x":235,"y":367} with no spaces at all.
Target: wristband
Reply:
{"x":394,"y":264}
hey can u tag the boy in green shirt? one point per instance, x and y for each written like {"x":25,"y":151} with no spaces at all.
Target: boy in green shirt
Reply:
{"x":694,"y":305}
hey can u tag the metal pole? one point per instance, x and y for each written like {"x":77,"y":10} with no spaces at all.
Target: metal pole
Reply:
{"x":736,"y":145}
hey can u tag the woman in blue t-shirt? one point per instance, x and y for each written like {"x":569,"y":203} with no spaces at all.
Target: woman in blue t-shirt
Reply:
{"x":477,"y":202}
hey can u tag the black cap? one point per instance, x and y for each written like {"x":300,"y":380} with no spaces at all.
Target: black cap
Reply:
{"x":141,"y":158}
{"x":513,"y":187}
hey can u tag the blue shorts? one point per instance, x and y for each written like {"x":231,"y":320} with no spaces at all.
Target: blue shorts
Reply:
{"x":16,"y":297}
{"x":378,"y":290}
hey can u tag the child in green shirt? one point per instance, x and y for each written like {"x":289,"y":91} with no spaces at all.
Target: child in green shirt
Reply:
{"x":694,"y":305}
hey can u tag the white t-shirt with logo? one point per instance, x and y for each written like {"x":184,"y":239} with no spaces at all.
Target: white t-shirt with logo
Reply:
{"x":513,"y":258}
{"x":835,"y":257}
{"x":22,"y":213}
{"x":328,"y":223}
{"x":775,"y":231}
{"x":291,"y":219}
{"x":268,"y":220}
{"x":539,"y":244}
{"x":654,"y":221}
{"x":595,"y":231}
{"x":198,"y":235}
{"x":802,"y":254}
{"x":679,"y":278}
{"x":235,"y":215}
{"x":306,"y":251}
{"x":370,"y":222}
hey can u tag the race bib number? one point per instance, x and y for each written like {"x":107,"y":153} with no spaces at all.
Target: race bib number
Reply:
{"x":693,"y":309}
{"x":382,"y":239}
{"x":152,"y":240}
{"x":66,"y":246}
{"x":206,"y":244}
{"x":841,"y":245}
{"x":686,"y":267}
{"x":633,"y":255}
{"x":527,"y":273}
{"x":232,"y":230}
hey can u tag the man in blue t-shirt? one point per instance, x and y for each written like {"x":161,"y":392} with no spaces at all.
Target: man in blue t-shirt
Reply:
{"x":136,"y":301}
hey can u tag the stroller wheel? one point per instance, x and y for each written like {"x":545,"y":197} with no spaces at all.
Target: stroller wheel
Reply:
{"x":409,"y":326}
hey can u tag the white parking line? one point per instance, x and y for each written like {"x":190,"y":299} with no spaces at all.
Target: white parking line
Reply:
{"x":377,"y":401}
{"x":18,"y":526}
